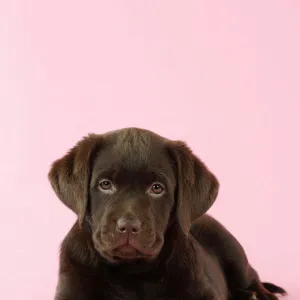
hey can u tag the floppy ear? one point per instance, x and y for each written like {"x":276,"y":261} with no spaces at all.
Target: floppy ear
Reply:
{"x":197,"y":187}
{"x":70,"y":175}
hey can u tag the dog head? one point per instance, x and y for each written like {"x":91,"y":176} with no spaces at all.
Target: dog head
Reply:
{"x":130,"y":185}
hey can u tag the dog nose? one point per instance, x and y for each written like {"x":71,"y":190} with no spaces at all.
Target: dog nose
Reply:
{"x":128,"y":226}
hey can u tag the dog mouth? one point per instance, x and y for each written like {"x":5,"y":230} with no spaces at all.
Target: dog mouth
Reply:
{"x":131,"y":249}
{"x":127,"y":251}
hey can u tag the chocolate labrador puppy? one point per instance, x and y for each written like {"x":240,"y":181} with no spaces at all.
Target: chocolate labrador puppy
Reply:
{"x":142,"y":231}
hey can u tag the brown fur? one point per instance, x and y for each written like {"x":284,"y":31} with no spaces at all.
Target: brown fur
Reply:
{"x":179,"y":252}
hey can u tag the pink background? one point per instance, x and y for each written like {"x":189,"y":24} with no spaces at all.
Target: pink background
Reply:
{"x":221,"y":75}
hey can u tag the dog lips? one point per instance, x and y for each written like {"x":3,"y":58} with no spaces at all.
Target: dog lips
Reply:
{"x":126,"y":249}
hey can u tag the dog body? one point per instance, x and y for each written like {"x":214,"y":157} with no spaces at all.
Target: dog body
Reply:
{"x":142,"y":231}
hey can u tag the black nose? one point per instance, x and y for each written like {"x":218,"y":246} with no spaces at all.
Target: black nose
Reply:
{"x":128,"y":226}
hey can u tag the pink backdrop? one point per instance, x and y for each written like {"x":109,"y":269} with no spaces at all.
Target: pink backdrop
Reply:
{"x":222,"y":75}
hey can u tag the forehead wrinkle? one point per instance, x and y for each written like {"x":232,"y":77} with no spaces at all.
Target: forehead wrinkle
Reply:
{"x":133,"y":148}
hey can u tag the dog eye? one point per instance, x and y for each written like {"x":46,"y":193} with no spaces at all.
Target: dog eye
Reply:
{"x":157,"y":188}
{"x":105,"y":185}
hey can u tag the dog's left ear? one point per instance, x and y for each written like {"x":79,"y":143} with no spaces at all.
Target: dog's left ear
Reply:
{"x":197,"y":186}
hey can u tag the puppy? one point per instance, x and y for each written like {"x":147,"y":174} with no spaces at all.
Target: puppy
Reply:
{"x":142,"y":232}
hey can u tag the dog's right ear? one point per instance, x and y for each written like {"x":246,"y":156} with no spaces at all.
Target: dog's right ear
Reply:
{"x":70,"y":175}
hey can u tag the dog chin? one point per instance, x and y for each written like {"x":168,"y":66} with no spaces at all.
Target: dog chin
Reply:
{"x":129,"y":251}
{"x":127,"y":254}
